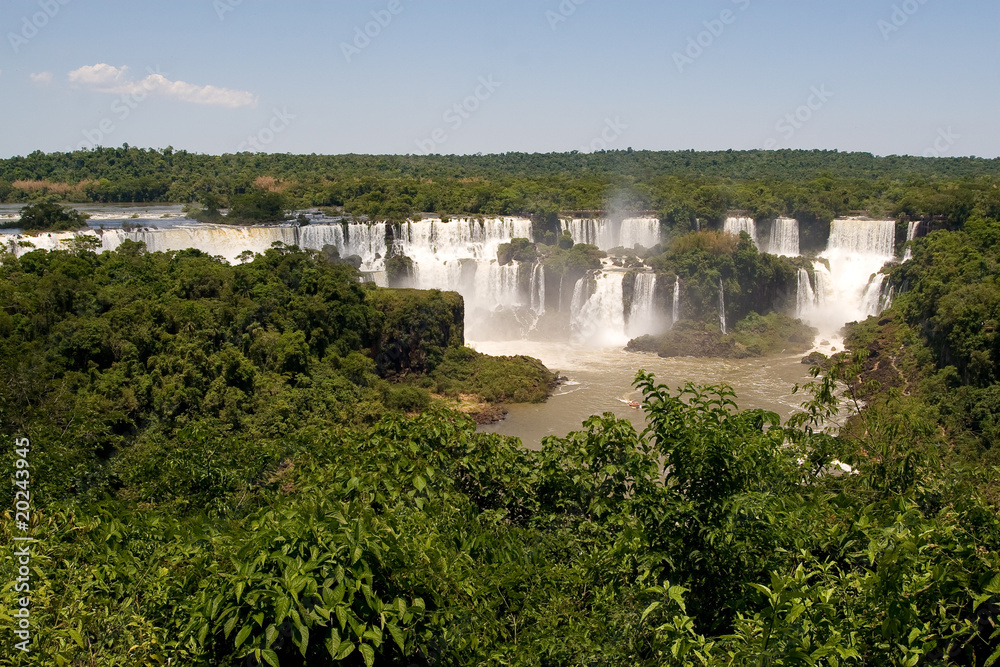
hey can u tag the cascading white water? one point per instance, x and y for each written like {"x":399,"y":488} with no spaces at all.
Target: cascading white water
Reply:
{"x":784,"y":238}
{"x":874,"y":301}
{"x":642,"y":318}
{"x":222,"y":240}
{"x":364,"y":240}
{"x":805,"y":295}
{"x":607,"y":234}
{"x":537,"y":289}
{"x":874,"y":238}
{"x":598,"y":318}
{"x":639,"y":231}
{"x":736,"y":225}
{"x":857,"y":250}
{"x":445,"y":254}
{"x":461,"y":255}
{"x":911,"y":233}
{"x":675,"y":311}
{"x":500,"y":286}
{"x":595,"y":231}
{"x":722,"y":308}
{"x":458,"y":255}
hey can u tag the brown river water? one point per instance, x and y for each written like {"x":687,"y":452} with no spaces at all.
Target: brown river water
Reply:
{"x":600,"y":380}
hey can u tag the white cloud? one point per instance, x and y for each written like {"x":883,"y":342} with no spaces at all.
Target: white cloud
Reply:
{"x":99,"y":76}
{"x":110,"y":79}
{"x":42,"y":78}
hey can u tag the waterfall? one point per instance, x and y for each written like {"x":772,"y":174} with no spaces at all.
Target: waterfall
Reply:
{"x":580,"y":296}
{"x":911,"y":233}
{"x":675,"y":312}
{"x":873,"y":301}
{"x":537,"y":289}
{"x":500,"y":287}
{"x":722,"y":308}
{"x":598,"y":318}
{"x":593,"y":231}
{"x":639,"y":231}
{"x":736,"y":225}
{"x":458,"y":255}
{"x":226,"y":241}
{"x":805,"y":296}
{"x":607,"y":234}
{"x":642,"y":311}
{"x":856,"y":251}
{"x":875,"y":238}
{"x":784,"y":238}
{"x":367,"y":241}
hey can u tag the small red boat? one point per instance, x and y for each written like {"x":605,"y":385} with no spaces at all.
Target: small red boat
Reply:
{"x":633,"y":404}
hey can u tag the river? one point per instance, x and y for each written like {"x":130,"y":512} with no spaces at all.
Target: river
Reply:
{"x":600,"y":380}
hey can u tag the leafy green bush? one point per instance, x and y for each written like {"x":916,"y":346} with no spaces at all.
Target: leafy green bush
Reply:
{"x":257,"y":206}
{"x":48,"y":217}
{"x":408,"y":399}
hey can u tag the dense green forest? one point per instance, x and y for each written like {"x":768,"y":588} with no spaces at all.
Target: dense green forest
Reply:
{"x":220,"y":474}
{"x":257,"y":464}
{"x":682,"y":187}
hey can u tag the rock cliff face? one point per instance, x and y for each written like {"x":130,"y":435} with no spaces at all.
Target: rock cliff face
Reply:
{"x":416,"y":328}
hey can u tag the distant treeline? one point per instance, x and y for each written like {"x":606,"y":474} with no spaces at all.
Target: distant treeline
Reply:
{"x":682,"y":186}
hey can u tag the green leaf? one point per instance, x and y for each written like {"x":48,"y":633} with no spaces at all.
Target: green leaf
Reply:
{"x":242,"y":635}
{"x":796,"y":611}
{"x":990,"y":661}
{"x":333,"y":642}
{"x":397,"y":636}
{"x":227,"y":628}
{"x":303,"y":639}
{"x":341,"y":615}
{"x":77,"y":637}
{"x":676,"y":593}
{"x":346,"y":649}
{"x":368,"y":653}
{"x":281,"y":609}
{"x":271,"y":657}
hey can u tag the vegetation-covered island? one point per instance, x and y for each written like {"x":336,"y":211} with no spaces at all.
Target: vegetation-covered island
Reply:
{"x":258,"y":463}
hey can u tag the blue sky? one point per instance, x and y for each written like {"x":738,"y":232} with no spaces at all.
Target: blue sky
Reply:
{"x":919,"y":77}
